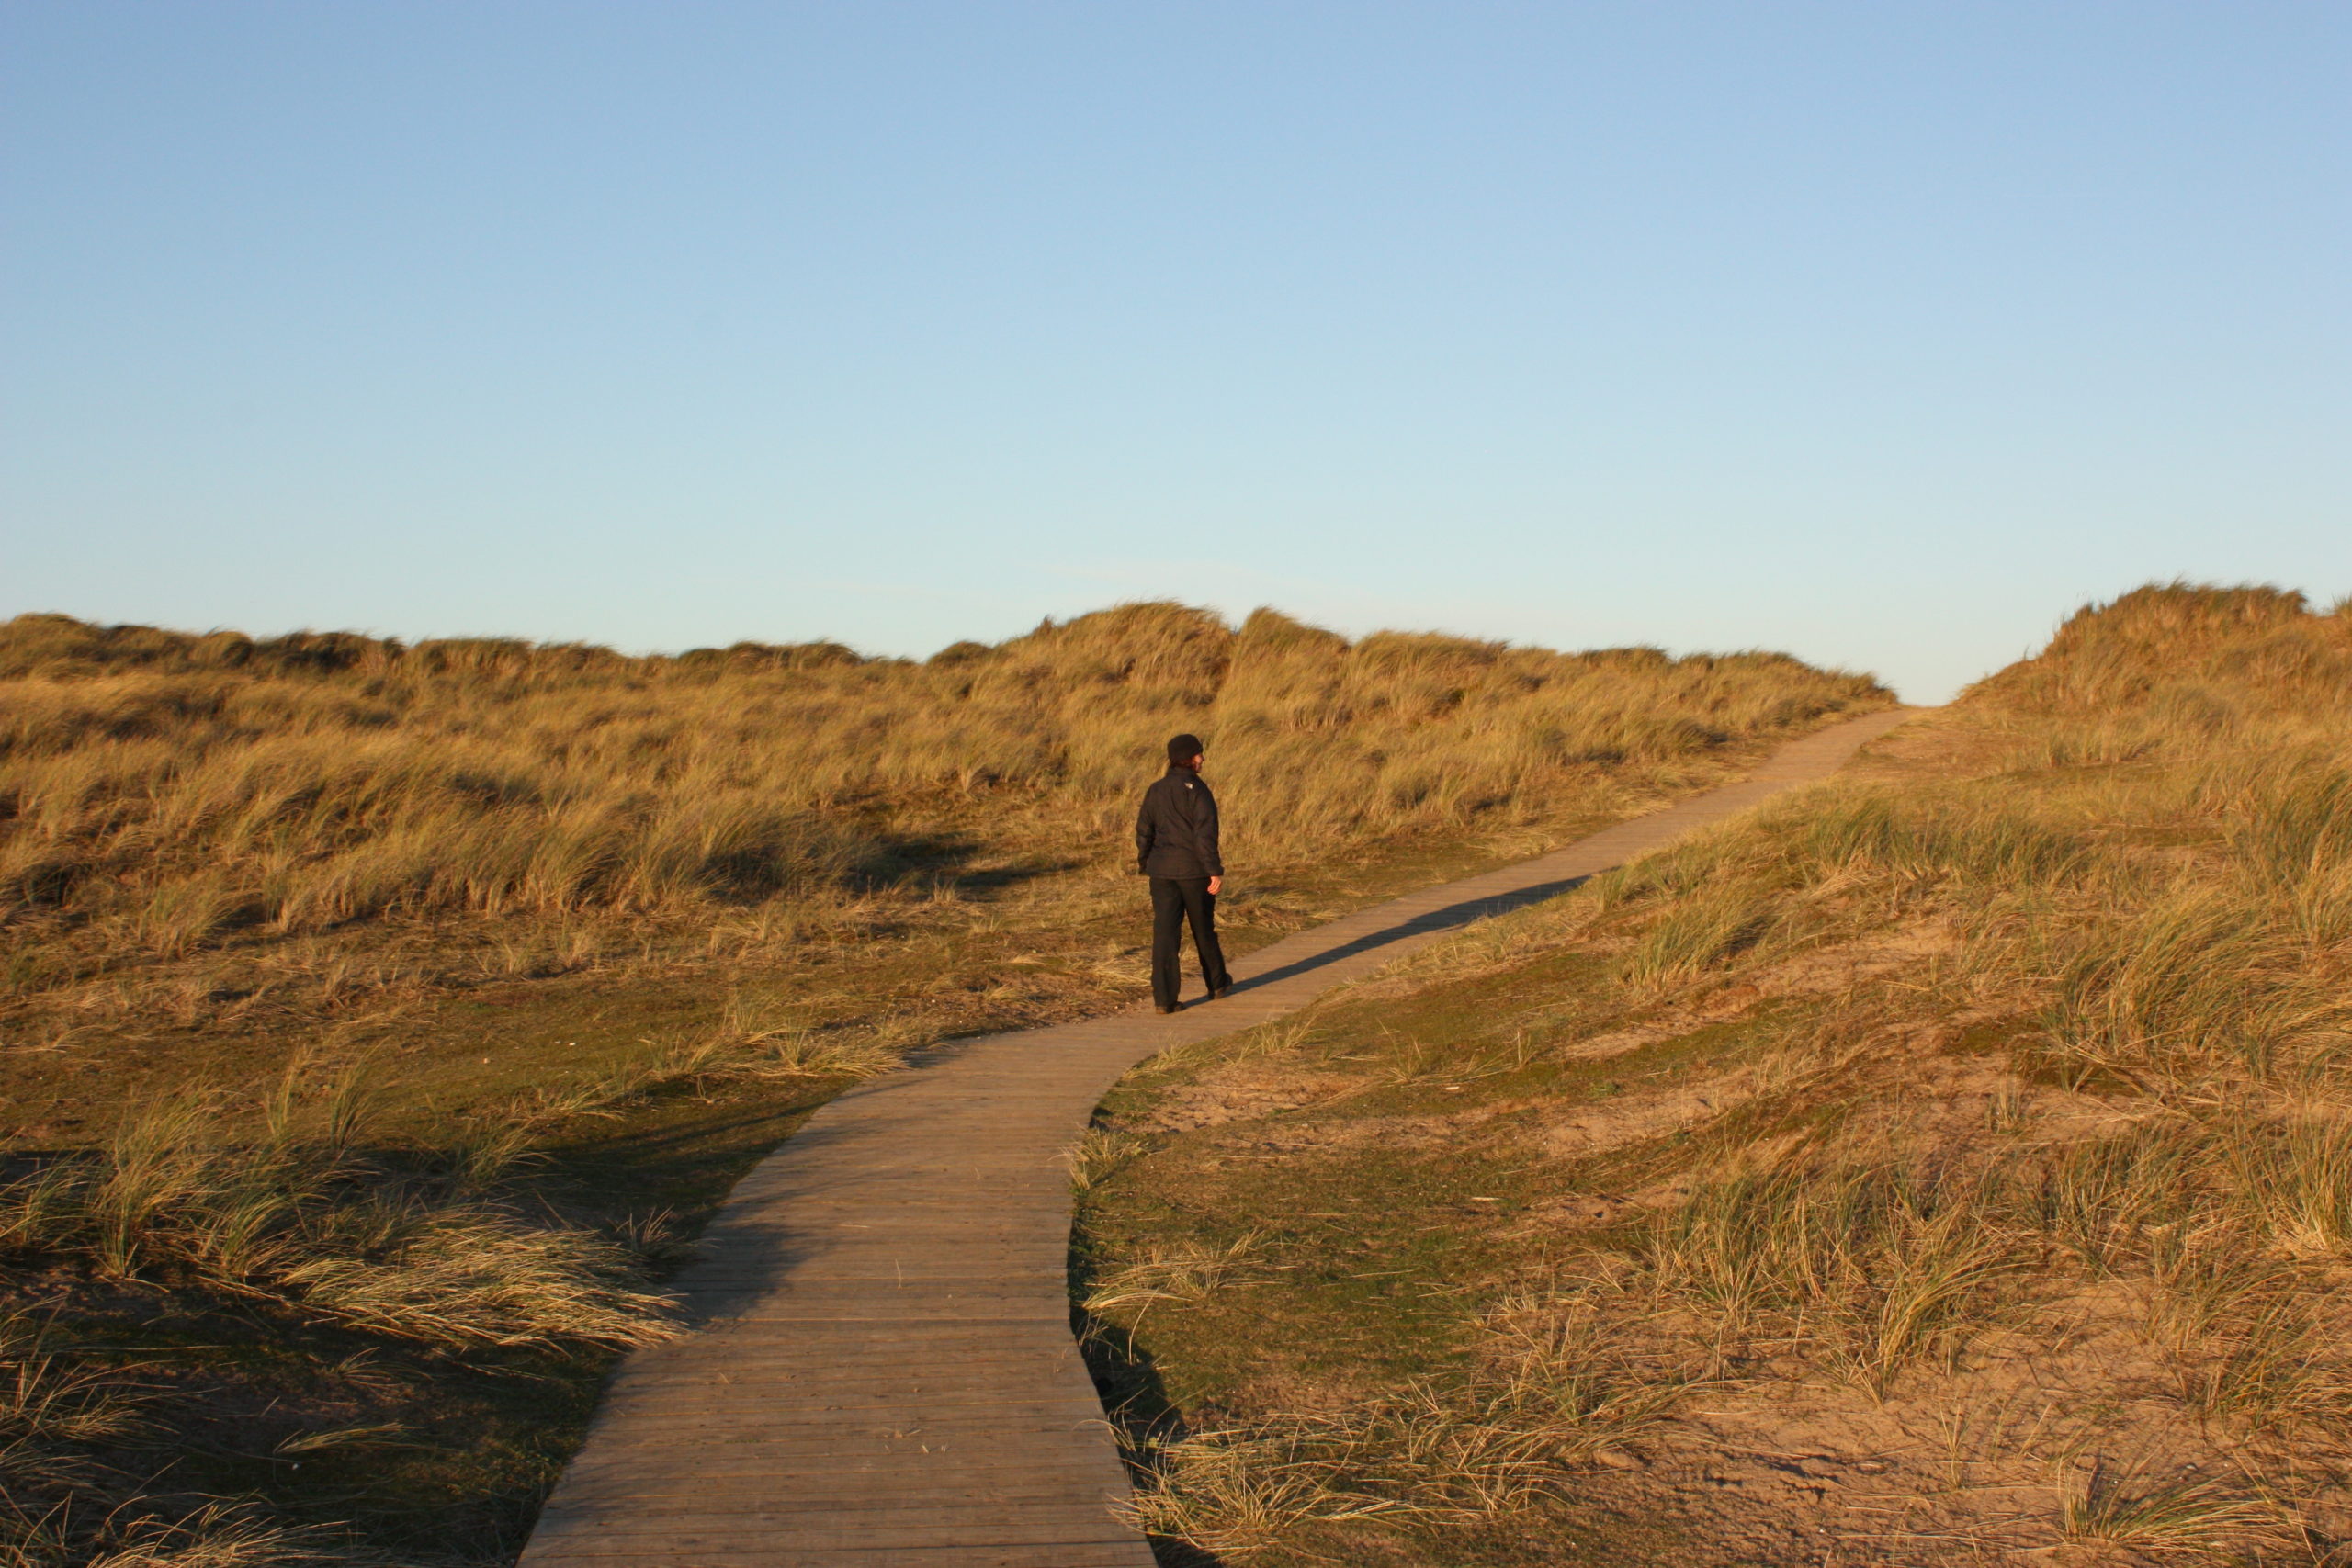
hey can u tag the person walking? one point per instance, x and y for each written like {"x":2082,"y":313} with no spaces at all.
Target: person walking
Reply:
{"x":1176,"y":847}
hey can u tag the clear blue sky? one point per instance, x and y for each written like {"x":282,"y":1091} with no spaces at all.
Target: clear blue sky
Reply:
{"x":1884,"y":332}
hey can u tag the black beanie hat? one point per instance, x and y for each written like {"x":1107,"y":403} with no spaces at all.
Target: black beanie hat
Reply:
{"x":1184,"y":748}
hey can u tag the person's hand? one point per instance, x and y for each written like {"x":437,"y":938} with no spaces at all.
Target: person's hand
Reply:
{"x":1216,"y":886}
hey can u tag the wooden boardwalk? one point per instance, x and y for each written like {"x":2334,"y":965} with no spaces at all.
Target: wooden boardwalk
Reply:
{"x":880,"y":1369}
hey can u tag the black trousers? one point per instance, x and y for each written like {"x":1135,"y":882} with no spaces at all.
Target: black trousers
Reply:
{"x":1174,"y":900}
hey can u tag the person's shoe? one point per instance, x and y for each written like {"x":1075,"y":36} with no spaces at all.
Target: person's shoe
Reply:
{"x":1221,"y":992}
{"x":1178,"y":1007}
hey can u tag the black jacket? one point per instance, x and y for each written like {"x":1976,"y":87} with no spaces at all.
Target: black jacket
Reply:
{"x":1176,"y":829}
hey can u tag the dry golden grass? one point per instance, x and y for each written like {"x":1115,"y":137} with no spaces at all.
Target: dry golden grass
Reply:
{"x":169,"y":793}
{"x":52,"y":1412}
{"x":412,"y":1248}
{"x":2001,"y":1090}
{"x":211,"y":1536}
{"x":1546,"y":1405}
{"x":310,"y":1224}
{"x":204,"y":836}
{"x":219,"y":855}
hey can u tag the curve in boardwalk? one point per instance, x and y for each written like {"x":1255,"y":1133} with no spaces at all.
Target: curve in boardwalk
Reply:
{"x":880,"y":1368}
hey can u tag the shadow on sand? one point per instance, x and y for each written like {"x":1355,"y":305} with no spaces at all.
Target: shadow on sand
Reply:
{"x":1447,"y":918}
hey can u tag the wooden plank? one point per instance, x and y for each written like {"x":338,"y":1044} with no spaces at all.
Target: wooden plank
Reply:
{"x":881,"y":1373}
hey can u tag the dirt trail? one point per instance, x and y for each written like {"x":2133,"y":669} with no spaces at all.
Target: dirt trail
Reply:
{"x":880,"y":1368}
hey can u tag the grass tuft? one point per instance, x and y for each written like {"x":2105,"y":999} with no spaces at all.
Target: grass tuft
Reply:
{"x":1099,"y":1153}
{"x":319,"y":1228}
{"x":2126,"y":1505}
{"x":1181,"y":1271}
{"x":1875,"y":1267}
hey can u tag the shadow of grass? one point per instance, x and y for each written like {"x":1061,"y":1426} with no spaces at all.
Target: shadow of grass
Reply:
{"x":1135,"y":1400}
